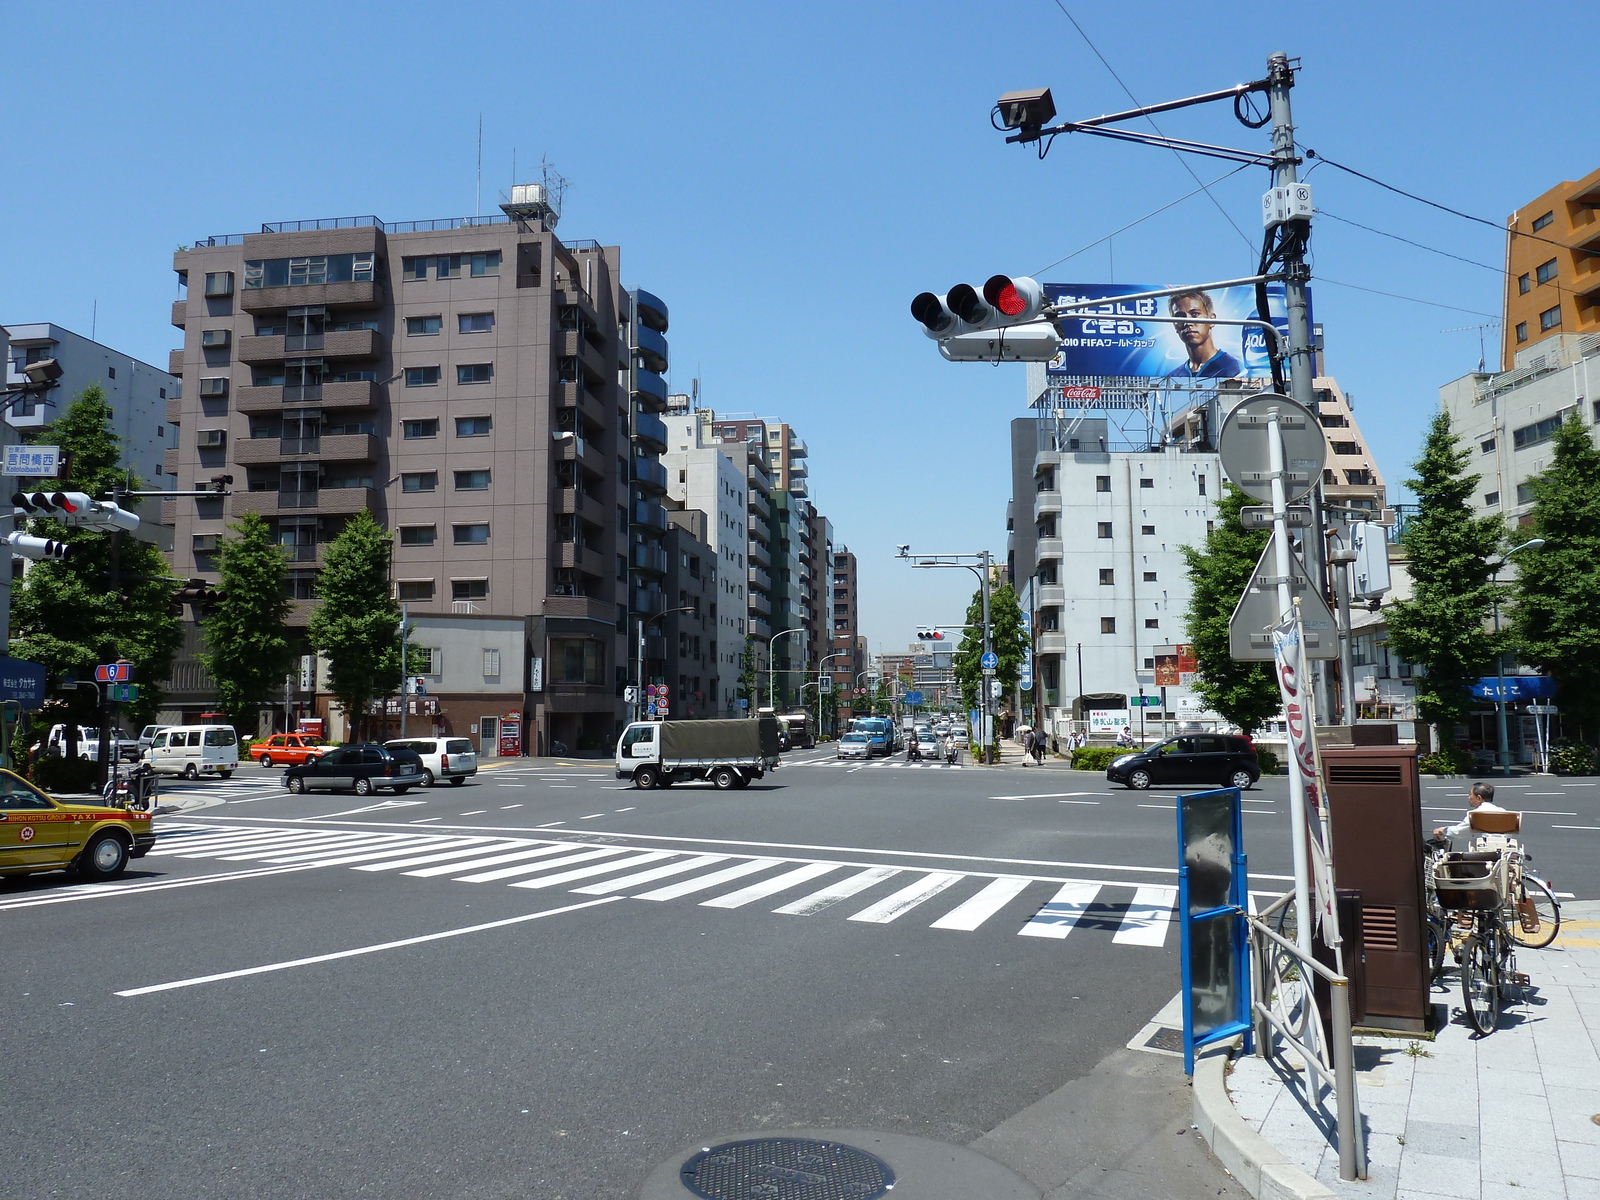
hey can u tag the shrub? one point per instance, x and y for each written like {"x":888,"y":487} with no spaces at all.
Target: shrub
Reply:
{"x":1267,"y":761}
{"x":1572,"y":758}
{"x":56,"y":774}
{"x":1095,"y":758}
{"x":1449,"y":760}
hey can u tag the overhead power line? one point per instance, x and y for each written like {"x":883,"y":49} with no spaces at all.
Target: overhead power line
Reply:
{"x":1322,"y":212}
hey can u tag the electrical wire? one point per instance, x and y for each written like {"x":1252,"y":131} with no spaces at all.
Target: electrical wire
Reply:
{"x":1136,"y":103}
{"x":1140,"y":220}
{"x":1412,"y":299}
{"x":1322,"y":212}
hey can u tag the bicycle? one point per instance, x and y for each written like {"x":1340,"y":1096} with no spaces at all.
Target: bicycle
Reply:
{"x":1478,"y":883}
{"x":1532,"y":916}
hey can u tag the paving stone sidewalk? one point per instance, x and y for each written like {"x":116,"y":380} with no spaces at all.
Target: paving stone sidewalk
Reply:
{"x":1512,"y":1116}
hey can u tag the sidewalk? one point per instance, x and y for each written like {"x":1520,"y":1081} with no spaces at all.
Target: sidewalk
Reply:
{"x":1512,"y":1115}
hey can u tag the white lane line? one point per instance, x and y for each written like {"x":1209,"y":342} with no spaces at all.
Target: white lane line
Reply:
{"x":1575,"y":827}
{"x":378,"y":807}
{"x":477,"y":812}
{"x":592,"y":817}
{"x":704,"y":882}
{"x":1057,"y":918}
{"x":387,"y":841}
{"x":907,"y":898}
{"x":138,"y":889}
{"x":571,"y":860}
{"x":1167,"y":807}
{"x":337,"y":954}
{"x":842,"y":890}
{"x":565,"y":785}
{"x":769,"y":887}
{"x":504,"y":807}
{"x":436,"y":856}
{"x":341,"y":859}
{"x":628,"y":809}
{"x":977,"y":909}
{"x":425,"y":820}
{"x":1077,"y":802}
{"x":1148,"y":917}
{"x":1047,"y":795}
{"x":627,"y":882}
{"x":589,"y":872}
{"x":494,"y":861}
{"x":551,"y":824}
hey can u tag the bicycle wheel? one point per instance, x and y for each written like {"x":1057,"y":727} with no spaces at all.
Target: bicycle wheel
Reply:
{"x":1538,"y":900}
{"x":1438,"y":942}
{"x":1480,"y":982}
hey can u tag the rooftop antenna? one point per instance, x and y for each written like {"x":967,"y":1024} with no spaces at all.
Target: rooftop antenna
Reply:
{"x":477,"y":199}
{"x":537,"y":201}
{"x":694,"y":393}
{"x":1482,"y":355}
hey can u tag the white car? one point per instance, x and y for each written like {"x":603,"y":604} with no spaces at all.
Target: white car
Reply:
{"x":443,"y":758}
{"x":854,"y":745}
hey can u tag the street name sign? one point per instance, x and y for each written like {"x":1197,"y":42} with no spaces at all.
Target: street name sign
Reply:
{"x":1250,"y":627}
{"x":1246,"y":457}
{"x":32,"y":461}
{"x":22,"y":681}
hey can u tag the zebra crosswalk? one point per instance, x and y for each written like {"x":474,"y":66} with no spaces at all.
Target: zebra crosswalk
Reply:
{"x":867,"y":893}
{"x":875,"y":764}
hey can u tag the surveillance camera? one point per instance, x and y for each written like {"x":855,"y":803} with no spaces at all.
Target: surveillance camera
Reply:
{"x":1026,"y":110}
{"x":902,"y":551}
{"x":42,"y":371}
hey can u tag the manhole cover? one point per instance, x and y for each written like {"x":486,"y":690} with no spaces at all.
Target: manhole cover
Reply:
{"x":1166,"y":1039}
{"x":786,"y":1169}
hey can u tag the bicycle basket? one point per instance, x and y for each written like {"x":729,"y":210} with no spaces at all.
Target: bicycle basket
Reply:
{"x":1470,"y":881}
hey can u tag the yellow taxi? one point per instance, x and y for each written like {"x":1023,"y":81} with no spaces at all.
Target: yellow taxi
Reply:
{"x":39,"y":833}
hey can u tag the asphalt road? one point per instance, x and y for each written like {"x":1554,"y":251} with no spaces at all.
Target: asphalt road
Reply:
{"x":543,"y":983}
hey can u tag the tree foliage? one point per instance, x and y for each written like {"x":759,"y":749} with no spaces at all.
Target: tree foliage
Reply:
{"x":1443,"y":628}
{"x":1557,"y":622}
{"x":1006,"y":638}
{"x":246,"y":639}
{"x":67,"y":615}
{"x":1244,"y":693}
{"x":357,"y":625}
{"x":746,"y":690}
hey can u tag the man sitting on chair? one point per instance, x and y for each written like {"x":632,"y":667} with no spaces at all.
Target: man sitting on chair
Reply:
{"x":1479,"y":799}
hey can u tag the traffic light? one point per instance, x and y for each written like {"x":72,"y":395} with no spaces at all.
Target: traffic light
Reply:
{"x":29,"y":546}
{"x":76,"y":508}
{"x":199,"y":593}
{"x":927,"y":633}
{"x":1004,"y":301}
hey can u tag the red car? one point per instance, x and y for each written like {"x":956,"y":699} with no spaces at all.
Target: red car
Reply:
{"x":288,"y":749}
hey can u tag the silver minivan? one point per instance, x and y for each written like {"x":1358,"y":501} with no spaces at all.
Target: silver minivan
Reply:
{"x":443,"y":758}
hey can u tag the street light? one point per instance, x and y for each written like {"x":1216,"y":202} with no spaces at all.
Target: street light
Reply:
{"x":981,"y":567}
{"x":772,"y":673}
{"x":638,"y":695}
{"x":820,"y":674}
{"x":1503,"y":741}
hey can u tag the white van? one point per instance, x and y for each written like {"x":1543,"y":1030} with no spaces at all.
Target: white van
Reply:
{"x":194,"y":750}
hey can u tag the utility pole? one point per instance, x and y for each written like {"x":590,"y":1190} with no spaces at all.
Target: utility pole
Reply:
{"x":405,"y":663}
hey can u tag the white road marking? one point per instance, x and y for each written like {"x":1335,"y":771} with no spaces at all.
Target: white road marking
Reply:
{"x":769,"y":887}
{"x":1060,"y":914}
{"x":689,"y":886}
{"x":477,"y":812}
{"x":977,"y":909}
{"x":1575,"y":826}
{"x":623,"y":810}
{"x":393,"y":850}
{"x":907,"y":898}
{"x":493,"y":861}
{"x":504,"y":807}
{"x":1047,"y":795}
{"x":435,"y":856}
{"x":395,"y":945}
{"x":350,"y":812}
{"x":425,"y":820}
{"x":589,"y":872}
{"x":1148,"y":916}
{"x":592,"y":817}
{"x":565,"y":785}
{"x":570,"y":860}
{"x":628,"y":882}
{"x":108,"y":891}
{"x":842,"y":890}
{"x":1168,"y":807}
{"x":382,"y":841}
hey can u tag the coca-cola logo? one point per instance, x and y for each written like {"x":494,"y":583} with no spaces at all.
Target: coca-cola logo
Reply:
{"x":1080,"y":392}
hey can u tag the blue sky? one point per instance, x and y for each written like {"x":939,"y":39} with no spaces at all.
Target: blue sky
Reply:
{"x":787,"y":177}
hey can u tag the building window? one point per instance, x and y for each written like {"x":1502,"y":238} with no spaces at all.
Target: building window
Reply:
{"x":1102,"y":483}
{"x":1149,"y":576}
{"x":418,"y":535}
{"x":1545,"y":271}
{"x":1491,"y":499}
{"x":1108,"y":624}
{"x":475,"y":322}
{"x":422,"y":376}
{"x":470,"y":535}
{"x":217,"y":385}
{"x":300,"y":585}
{"x":416,"y":589}
{"x":491,"y":663}
{"x":308,"y":270}
{"x":1522,"y":331}
{"x":1108,"y":577}
{"x":1104,"y":528}
{"x":1201,"y":480}
{"x":475,"y":373}
{"x":423,"y":326}
{"x":1147,"y":530}
{"x":1550,"y":318}
{"x":1540,"y":222}
{"x":447,"y":266}
{"x":419,"y":481}
{"x":1524,"y":284}
{"x":1350,"y":448}
{"x":474,"y":426}
{"x":1525,"y":493}
{"x":414,"y":268}
{"x":486,"y":264}
{"x":471,"y":481}
{"x":469,"y":589}
{"x":219,"y":283}
{"x":1147,"y":483}
{"x":420,"y":429}
{"x":1539,"y":431}
{"x":111,"y":372}
{"x":1152,"y":623}
{"x":577,"y":660}
{"x":1487,"y":446}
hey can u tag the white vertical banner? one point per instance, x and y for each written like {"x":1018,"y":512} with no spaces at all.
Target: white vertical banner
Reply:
{"x":1294,"y":683}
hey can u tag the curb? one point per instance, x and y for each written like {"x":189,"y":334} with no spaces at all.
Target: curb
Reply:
{"x":1265,"y":1171}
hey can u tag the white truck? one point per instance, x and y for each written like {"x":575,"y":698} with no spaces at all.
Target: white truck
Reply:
{"x":89,"y":743}
{"x":728,"y":754}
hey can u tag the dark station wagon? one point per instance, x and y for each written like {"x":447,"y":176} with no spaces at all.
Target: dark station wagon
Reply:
{"x":1223,"y":760}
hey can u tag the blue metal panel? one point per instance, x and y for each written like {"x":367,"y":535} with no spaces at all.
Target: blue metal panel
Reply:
{"x":652,"y":312}
{"x":1218,"y":924}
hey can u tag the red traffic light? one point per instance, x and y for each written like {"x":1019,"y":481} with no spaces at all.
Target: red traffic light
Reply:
{"x":1019,"y":299}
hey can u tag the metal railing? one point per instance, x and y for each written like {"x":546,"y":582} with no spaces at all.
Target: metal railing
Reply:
{"x":1284,"y":1004}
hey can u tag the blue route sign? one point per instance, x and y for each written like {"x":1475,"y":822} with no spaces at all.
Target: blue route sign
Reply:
{"x":22,"y":681}
{"x":913,"y":697}
{"x":990,"y":661}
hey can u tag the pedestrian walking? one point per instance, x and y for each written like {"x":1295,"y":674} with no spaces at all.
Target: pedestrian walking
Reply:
{"x":1038,"y":748}
{"x":1027,"y":746}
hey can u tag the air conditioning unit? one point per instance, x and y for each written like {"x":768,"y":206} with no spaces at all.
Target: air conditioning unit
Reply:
{"x":205,"y":543}
{"x":215,"y":386}
{"x":211,"y":439}
{"x":213,"y":339}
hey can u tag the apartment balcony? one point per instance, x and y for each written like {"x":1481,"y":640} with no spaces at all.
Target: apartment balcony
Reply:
{"x":175,"y":362}
{"x":1047,"y":548}
{"x":576,"y":396}
{"x":337,"y":447}
{"x":590,"y":607}
{"x":1049,"y":595}
{"x":648,"y":603}
{"x":758,"y":627}
{"x":571,"y":343}
{"x":363,"y":294}
{"x":1046,"y":504}
{"x":361,"y":393}
{"x":650,"y":431}
{"x":350,"y":343}
{"x":327,"y":501}
{"x":652,"y":348}
{"x":649,"y":391}
{"x":580,"y":450}
{"x":1051,"y":642}
{"x":652,"y":516}
{"x":579,"y":557}
{"x":649,"y":556}
{"x":174,"y":410}
{"x":759,"y":604}
{"x":169,"y":461}
{"x":575,"y":501}
{"x":797,"y":447}
{"x":760,"y":579}
{"x":797,"y":487}
{"x":180,"y":313}
{"x":650,"y":475}
{"x":652,"y":312}
{"x":757,"y":552}
{"x":757,"y":504}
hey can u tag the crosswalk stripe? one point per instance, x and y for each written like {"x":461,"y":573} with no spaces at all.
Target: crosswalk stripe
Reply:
{"x":342,"y":859}
{"x":704,"y":882}
{"x":187,"y":843}
{"x":1061,"y":912}
{"x":770,"y":887}
{"x":529,"y":869}
{"x":609,"y":886}
{"x":907,"y":898}
{"x":841,"y":890}
{"x":589,"y":872}
{"x":372,"y":842}
{"x":493,"y":861}
{"x":977,"y":909}
{"x":246,"y":844}
{"x":436,"y":856}
{"x":264,"y":846}
{"x":1148,"y":916}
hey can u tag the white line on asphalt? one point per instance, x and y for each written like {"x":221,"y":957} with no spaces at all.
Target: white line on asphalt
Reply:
{"x":1575,"y":826}
{"x":623,"y":810}
{"x":425,"y":820}
{"x":569,"y":860}
{"x":364,"y":850}
{"x":907,"y":898}
{"x":436,"y":855}
{"x":1047,"y":795}
{"x":1148,"y":917}
{"x":842,"y":890}
{"x":977,"y":909}
{"x":477,"y":812}
{"x":1060,"y":914}
{"x":503,"y":807}
{"x":322,"y":958}
{"x":573,"y":786}
{"x":592,"y":817}
{"x":628,"y":882}
{"x":137,"y":889}
{"x":1168,"y":807}
{"x":549,"y":824}
{"x":494,"y":861}
{"x":589,"y":872}
{"x":689,"y":886}
{"x":769,"y":887}
{"x":350,"y":812}
{"x":1077,"y":802}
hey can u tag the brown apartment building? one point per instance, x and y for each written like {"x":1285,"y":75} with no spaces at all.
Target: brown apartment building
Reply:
{"x":846,"y":636}
{"x":1553,"y":266}
{"x":471,"y":384}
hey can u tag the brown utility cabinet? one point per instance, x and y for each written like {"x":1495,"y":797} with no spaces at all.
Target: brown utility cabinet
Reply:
{"x":1375,"y":808}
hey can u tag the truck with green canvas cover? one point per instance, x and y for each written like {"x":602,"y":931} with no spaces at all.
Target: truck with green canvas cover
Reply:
{"x":728,"y":754}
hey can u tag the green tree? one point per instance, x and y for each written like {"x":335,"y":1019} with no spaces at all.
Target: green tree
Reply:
{"x":746,"y":690}
{"x":1443,"y":628}
{"x":246,"y":639}
{"x":68,"y":616}
{"x":1557,"y":621}
{"x":357,"y":625}
{"x":1244,"y":693}
{"x":1006,"y":639}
